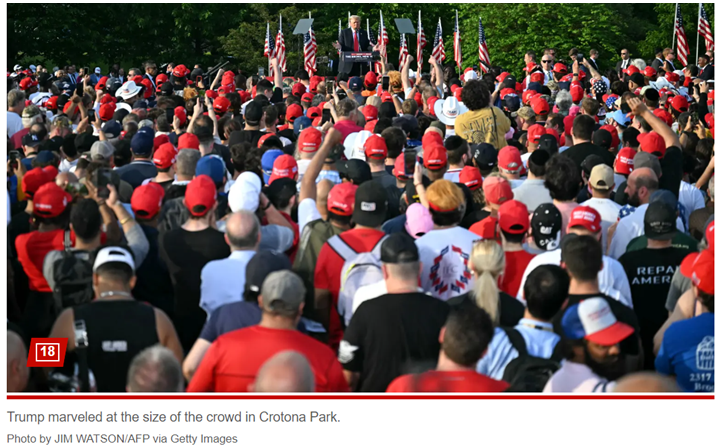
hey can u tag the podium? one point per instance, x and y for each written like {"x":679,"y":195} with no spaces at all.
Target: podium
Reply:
{"x":360,"y":56}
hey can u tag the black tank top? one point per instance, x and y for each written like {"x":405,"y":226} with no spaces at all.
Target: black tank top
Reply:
{"x":117,"y":331}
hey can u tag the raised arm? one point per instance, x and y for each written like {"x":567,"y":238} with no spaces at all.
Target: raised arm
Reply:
{"x":640,"y":110}
{"x":307,"y":184}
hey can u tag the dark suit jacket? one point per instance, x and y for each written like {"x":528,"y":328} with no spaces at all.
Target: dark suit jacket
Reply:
{"x":707,"y":72}
{"x":346,"y":44}
{"x":619,"y":64}
{"x":593,"y":64}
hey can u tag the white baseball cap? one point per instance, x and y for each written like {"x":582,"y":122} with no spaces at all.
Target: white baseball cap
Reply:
{"x":593,"y":320}
{"x":448,"y":110}
{"x":97,"y":70}
{"x":354,"y":145}
{"x":113,"y":254}
{"x":245,"y":193}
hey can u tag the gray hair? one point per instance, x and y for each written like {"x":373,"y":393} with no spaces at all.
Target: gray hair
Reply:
{"x":564,"y":101}
{"x":15,"y":98}
{"x":346,"y":107}
{"x":243,"y":229}
{"x":288,"y":371}
{"x":639,"y":64}
{"x":155,"y":369}
{"x":186,"y":162}
{"x":354,"y":17}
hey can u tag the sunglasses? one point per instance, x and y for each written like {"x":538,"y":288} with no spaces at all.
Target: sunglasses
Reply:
{"x":624,"y":54}
{"x":546,"y":62}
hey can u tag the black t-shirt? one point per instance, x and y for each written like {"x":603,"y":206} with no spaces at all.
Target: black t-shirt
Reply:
{"x":392,"y":335}
{"x":671,"y":170}
{"x":289,"y":134}
{"x":578,"y":153}
{"x":474,"y":217}
{"x":185,"y":254}
{"x":649,"y":272}
{"x":174,"y":191}
{"x":277,"y":95}
{"x":136,"y":172}
{"x":629,"y":346}
{"x":19,"y":224}
{"x":153,"y":283}
{"x":250,"y":136}
{"x":510,"y":308}
{"x":166,"y":185}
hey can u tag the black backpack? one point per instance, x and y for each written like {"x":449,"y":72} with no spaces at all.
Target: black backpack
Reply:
{"x":73,"y":278}
{"x":529,"y":373}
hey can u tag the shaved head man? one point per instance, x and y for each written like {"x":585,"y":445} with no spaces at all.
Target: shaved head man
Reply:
{"x":641,"y":183}
{"x":646,"y":382}
{"x":155,"y":369}
{"x":242,"y":231}
{"x":17,"y":359}
{"x":288,"y":371}
{"x":66,"y":178}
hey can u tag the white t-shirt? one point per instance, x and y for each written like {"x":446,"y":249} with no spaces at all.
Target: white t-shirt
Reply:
{"x":445,"y":254}
{"x":524,"y":159}
{"x":68,"y":166}
{"x":38,"y":97}
{"x":608,"y":210}
{"x":15,"y":123}
{"x":575,"y":377}
{"x":453,"y":175}
{"x":302,"y":167}
{"x":532,"y":193}
{"x":629,"y":228}
{"x":612,"y":280}
{"x":307,"y":212}
{"x":515,"y":183}
{"x":691,"y":198}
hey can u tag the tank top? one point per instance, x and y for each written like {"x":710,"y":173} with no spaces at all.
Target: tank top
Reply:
{"x":117,"y":331}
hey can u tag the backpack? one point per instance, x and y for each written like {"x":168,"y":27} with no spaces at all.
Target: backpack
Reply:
{"x":359,"y":269}
{"x":529,"y":373}
{"x":73,"y":279}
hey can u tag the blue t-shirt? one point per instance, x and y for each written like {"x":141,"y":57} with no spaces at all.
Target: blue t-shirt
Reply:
{"x":687,"y":352}
{"x":395,"y":225}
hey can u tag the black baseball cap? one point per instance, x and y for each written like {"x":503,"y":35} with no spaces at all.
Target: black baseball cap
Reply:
{"x":84,"y":141}
{"x":399,"y":248}
{"x":263,"y":263}
{"x":253,"y":112}
{"x":603,"y":139}
{"x":540,"y":158}
{"x":485,"y":155}
{"x":509,"y":82}
{"x":167,"y":89}
{"x":659,"y":222}
{"x":52,"y":144}
{"x":112,"y":129}
{"x":31,"y":139}
{"x":546,"y":224}
{"x":355,"y":170}
{"x":512,"y":103}
{"x":371,"y":205}
{"x":637,"y":78}
{"x":592,"y":160}
{"x":548,"y":143}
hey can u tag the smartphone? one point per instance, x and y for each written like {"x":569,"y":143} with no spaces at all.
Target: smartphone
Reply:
{"x":625,"y":108}
{"x":579,"y":57}
{"x":14,"y":156}
{"x":91,"y":115}
{"x":386,"y":83}
{"x":101,"y":179}
{"x":198,"y":79}
{"x":409,"y":161}
{"x":261,"y":72}
{"x":326,"y":116}
{"x":330,"y":86}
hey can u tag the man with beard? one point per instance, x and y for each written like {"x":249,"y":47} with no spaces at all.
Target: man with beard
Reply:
{"x":642,"y":182}
{"x":592,"y":335}
{"x":582,"y":258}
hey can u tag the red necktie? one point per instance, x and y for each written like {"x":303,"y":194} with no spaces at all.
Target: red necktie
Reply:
{"x":355,"y":41}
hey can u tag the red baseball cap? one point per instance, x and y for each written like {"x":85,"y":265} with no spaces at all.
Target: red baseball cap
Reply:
{"x":341,"y":198}
{"x":261,"y":141}
{"x":50,"y":201}
{"x":672,"y":77}
{"x":528,"y":95}
{"x":137,"y":79}
{"x":107,"y":99}
{"x":370,"y":125}
{"x":435,"y":157}
{"x":375,"y":147}
{"x":497,"y":190}
{"x":161,"y":79}
{"x":164,"y":157}
{"x":576,"y":93}
{"x":309,"y":140}
{"x":540,"y":106}
{"x":537,"y":77}
{"x":221,"y":105}
{"x":554,"y":133}
{"x":102,"y":82}
{"x":159,"y":140}
{"x":457,"y":93}
{"x":34,"y":179}
{"x":314,"y":112}
{"x":147,"y":200}
{"x":663,"y":115}
{"x":509,"y":158}
{"x":560,"y":68}
{"x":370,"y":112}
{"x":51,"y":103}
{"x":226,"y":88}
{"x":182,"y":115}
{"x":699,"y":267}
{"x":313,"y":85}
{"x":502,"y":76}
{"x":615,"y":141}
{"x":631,"y":70}
{"x":649,"y":71}
{"x":106,"y":111}
{"x":624,"y":161}
{"x":399,"y":169}
{"x":292,"y":112}
{"x":298,"y":89}
{"x":200,"y":195}
{"x":470,"y":176}
{"x":370,"y":80}
{"x":27,"y":83}
{"x":431,"y":104}
{"x":507,"y":91}
{"x":307,"y":97}
{"x":530,"y":66}
{"x":568,"y":124}
{"x":513,"y":217}
{"x":284,"y":166}
{"x":534,"y":134}
{"x":386,"y":97}
{"x":431,"y":138}
{"x":188,"y":141}
{"x":148,"y":92}
{"x":679,"y":103}
{"x":652,"y":143}
{"x":586,"y":217}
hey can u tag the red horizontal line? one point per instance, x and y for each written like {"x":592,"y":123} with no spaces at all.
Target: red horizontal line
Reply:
{"x":358,"y":397}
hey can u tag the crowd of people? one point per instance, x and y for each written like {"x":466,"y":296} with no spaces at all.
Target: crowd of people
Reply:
{"x":544,"y":231}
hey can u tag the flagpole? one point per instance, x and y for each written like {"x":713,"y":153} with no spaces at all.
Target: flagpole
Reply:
{"x":698,"y":27}
{"x":673,"y":37}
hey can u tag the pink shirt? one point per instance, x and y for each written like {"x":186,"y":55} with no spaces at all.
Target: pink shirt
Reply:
{"x":347,"y":127}
{"x":566,"y":208}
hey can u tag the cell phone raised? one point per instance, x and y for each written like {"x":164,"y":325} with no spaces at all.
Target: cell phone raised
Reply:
{"x":100,"y":179}
{"x":409,"y":162}
{"x":385,"y":83}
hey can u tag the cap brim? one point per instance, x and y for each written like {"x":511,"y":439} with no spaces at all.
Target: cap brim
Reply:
{"x":611,"y":335}
{"x":662,"y":236}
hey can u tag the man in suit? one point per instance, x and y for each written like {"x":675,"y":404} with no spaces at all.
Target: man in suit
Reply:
{"x":658,"y":61}
{"x":592,"y":56}
{"x":705,"y":69}
{"x":353,"y":39}
{"x":624,"y":63}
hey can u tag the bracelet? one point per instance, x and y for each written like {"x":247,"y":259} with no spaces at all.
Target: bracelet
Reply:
{"x":270,"y":204}
{"x":125,"y":220}
{"x":418,"y":185}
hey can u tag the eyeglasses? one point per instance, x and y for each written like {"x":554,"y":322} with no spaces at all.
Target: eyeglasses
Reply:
{"x":624,"y":54}
{"x":546,"y":62}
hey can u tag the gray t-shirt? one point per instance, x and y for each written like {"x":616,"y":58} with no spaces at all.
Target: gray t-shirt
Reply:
{"x":532,"y":193}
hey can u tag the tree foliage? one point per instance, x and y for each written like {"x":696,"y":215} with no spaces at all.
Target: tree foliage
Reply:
{"x":129,"y":33}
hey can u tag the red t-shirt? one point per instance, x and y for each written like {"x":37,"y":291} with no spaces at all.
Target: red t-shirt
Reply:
{"x":31,"y":249}
{"x":485,"y":228}
{"x":516,"y":263}
{"x":347,"y":127}
{"x":435,"y":381}
{"x":17,"y":137}
{"x":232,"y":362}
{"x":328,"y":269}
{"x":296,"y":237}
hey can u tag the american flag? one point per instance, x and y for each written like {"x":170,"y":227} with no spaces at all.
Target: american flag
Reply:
{"x":383,"y":36}
{"x":704,"y":28}
{"x":457,"y":45}
{"x":340,"y":30}
{"x":483,"y":48}
{"x":420,"y":43}
{"x":439,"y":51}
{"x":310,"y":47}
{"x":681,"y":42}
{"x":403,"y":52}
{"x":280,"y":47}
{"x":269,"y":50}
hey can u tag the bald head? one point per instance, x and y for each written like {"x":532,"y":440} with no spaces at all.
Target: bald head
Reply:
{"x":242,"y":230}
{"x":66,"y":178}
{"x":322,"y":189}
{"x":646,"y":382}
{"x":287,"y":371}
{"x":17,"y":378}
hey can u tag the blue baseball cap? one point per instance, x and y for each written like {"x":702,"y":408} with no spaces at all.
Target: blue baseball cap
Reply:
{"x":266,"y":162}
{"x":142,"y":142}
{"x":666,"y":197}
{"x":212,"y":166}
{"x":301,"y":123}
{"x":620,"y":118}
{"x":355,"y":84}
{"x":593,"y":320}
{"x":535,"y":86}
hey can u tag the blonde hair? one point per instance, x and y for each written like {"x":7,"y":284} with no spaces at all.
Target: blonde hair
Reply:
{"x":488,"y":263}
{"x":374,"y":101}
{"x":444,"y":195}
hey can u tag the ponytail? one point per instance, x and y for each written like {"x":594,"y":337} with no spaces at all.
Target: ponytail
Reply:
{"x":488,"y":263}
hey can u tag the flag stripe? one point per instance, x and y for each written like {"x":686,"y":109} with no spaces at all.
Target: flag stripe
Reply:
{"x":439,"y":51}
{"x":682,"y":50}
{"x":704,"y":29}
{"x":457,"y":54}
{"x":483,"y":55}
